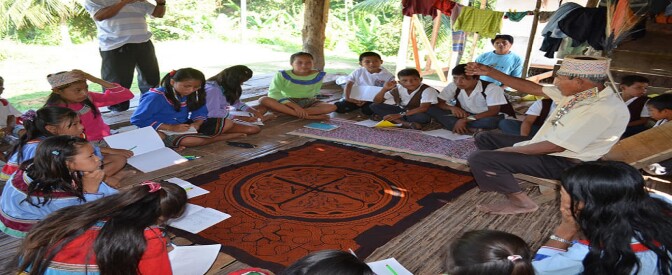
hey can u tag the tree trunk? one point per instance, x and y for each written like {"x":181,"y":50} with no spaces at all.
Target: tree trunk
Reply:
{"x":316,"y":13}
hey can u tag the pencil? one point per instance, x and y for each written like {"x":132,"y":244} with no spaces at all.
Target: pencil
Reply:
{"x":131,"y":149}
{"x":391,"y":270}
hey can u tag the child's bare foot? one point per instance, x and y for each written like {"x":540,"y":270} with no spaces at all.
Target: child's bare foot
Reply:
{"x":268,"y":117}
{"x":506,"y":208}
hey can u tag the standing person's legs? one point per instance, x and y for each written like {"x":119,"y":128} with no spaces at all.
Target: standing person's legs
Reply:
{"x":117,"y":66}
{"x":493,"y":172}
{"x":147,"y":66}
{"x":490,"y":140}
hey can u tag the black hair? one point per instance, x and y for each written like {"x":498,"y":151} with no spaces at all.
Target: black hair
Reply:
{"x":502,"y":36}
{"x":328,"y":262}
{"x":661,"y":102}
{"x":36,"y":126}
{"x":461,"y":69}
{"x":295,"y":55}
{"x":369,"y":54}
{"x":628,"y":80}
{"x":49,"y":169}
{"x":55,"y":99}
{"x":408,"y":72}
{"x":230,"y":80}
{"x":195,"y":100}
{"x":489,"y":252}
{"x":616,"y":209}
{"x":119,"y":246}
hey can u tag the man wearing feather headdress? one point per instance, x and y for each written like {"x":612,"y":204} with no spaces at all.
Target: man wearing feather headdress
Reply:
{"x":588,"y":121}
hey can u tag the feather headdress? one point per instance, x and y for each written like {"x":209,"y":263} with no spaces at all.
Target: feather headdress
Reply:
{"x":620,"y":21}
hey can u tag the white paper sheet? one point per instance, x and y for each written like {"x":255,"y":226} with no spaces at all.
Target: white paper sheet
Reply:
{"x":388,"y":267}
{"x":191,"y":130}
{"x":443,"y":133}
{"x":192,"y":190}
{"x":193,"y":260}
{"x":197,"y":218}
{"x":364,"y":93}
{"x":149,"y":152}
{"x":367,"y":123}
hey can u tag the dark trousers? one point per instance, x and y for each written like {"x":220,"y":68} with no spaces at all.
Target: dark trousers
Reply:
{"x":383,"y":109}
{"x":118,"y":66}
{"x":493,"y":170}
{"x":512,"y":127}
{"x":448,"y":121}
{"x":345,"y":107}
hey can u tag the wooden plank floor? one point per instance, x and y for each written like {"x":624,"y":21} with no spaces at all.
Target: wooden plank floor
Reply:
{"x":419,"y":248}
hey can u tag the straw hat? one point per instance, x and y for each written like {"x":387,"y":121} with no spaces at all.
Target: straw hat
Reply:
{"x":63,"y":78}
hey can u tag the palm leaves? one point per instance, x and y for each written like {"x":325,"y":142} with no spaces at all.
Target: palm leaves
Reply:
{"x":15,"y":14}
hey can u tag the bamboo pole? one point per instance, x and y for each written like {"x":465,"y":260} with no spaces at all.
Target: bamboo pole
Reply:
{"x":432,"y":55}
{"x":533,"y":32}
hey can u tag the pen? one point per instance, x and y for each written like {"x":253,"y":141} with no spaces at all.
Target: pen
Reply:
{"x":131,"y":149}
{"x":391,"y":270}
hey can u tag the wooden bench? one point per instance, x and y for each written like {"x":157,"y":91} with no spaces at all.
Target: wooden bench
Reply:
{"x":640,"y":150}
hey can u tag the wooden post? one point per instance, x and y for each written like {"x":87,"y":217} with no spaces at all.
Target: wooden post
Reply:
{"x":533,"y":32}
{"x":416,"y":54}
{"x":403,"y":44}
{"x":435,"y":61}
{"x":243,"y":21}
{"x":435,"y":33}
{"x":316,"y":14}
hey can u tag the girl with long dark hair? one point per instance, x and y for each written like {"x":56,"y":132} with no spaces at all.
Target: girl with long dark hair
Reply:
{"x":119,"y":234}
{"x":489,"y":252}
{"x":64,"y":172}
{"x":610,"y":224}
{"x":178,"y":106}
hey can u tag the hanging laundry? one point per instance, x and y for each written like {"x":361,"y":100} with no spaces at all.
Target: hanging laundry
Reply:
{"x":424,"y":7}
{"x":455,"y":13}
{"x":445,"y":6}
{"x":550,"y":45}
{"x":487,"y":23}
{"x":586,"y":25}
{"x":558,"y":15}
{"x":516,"y":16}
{"x":458,"y":41}
{"x":544,"y":16}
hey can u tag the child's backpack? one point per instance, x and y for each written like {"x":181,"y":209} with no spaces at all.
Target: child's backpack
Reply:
{"x":505,"y":108}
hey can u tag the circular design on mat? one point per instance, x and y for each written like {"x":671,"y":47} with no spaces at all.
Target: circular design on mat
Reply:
{"x":317,"y":193}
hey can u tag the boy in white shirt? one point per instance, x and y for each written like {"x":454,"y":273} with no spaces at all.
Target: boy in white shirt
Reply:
{"x":371,"y":73}
{"x":468,"y":103}
{"x":405,"y":102}
{"x":534,"y":118}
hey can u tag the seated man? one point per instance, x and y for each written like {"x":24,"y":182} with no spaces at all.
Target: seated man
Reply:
{"x":534,"y":118}
{"x":406,"y":102}
{"x":475,"y":103}
{"x":588,"y":121}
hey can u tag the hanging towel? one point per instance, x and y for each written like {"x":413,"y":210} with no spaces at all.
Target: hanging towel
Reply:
{"x":487,"y":23}
{"x":445,"y":6}
{"x":458,"y":41}
{"x":515,"y":16}
{"x":586,"y":25}
{"x":424,"y":7}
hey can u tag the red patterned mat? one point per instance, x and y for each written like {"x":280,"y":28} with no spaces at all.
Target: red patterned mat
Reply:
{"x":320,"y":196}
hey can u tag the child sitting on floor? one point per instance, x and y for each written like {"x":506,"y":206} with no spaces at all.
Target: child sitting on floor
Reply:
{"x":56,"y":121}
{"x":405,"y":102}
{"x":534,"y":118}
{"x":328,"y":262}
{"x":633,"y":91}
{"x":294,"y":91}
{"x":9,"y":130}
{"x":489,"y":252}
{"x":178,"y":106}
{"x":469,"y":104}
{"x":64,"y":172}
{"x":119,"y":234}
{"x":371,"y":73}
{"x":660,"y":109}
{"x":223,"y":93}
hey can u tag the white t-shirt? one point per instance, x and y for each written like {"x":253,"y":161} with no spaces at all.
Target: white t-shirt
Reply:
{"x":588,"y":130}
{"x":128,"y":26}
{"x":475,"y":103}
{"x":645,"y":111}
{"x":428,"y":96}
{"x":6,"y":111}
{"x":362,"y":77}
{"x":535,"y":108}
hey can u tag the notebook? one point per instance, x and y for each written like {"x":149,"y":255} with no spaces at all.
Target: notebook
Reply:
{"x":321,"y":126}
{"x":197,"y":218}
{"x":149,"y":152}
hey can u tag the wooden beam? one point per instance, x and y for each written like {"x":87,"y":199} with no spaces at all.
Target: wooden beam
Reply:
{"x":416,"y":54}
{"x":435,"y":33}
{"x":533,"y":32}
{"x":403,"y":44}
{"x":432,"y":55}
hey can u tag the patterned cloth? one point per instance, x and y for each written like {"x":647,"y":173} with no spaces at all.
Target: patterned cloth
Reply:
{"x":574,"y":67}
{"x":61,"y":79}
{"x":459,"y":38}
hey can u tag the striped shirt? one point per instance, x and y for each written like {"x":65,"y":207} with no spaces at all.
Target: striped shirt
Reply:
{"x":127,"y":26}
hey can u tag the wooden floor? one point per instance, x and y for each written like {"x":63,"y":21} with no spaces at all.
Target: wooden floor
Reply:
{"x":419,"y":248}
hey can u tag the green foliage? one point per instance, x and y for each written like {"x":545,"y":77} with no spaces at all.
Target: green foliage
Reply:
{"x":185,"y":19}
